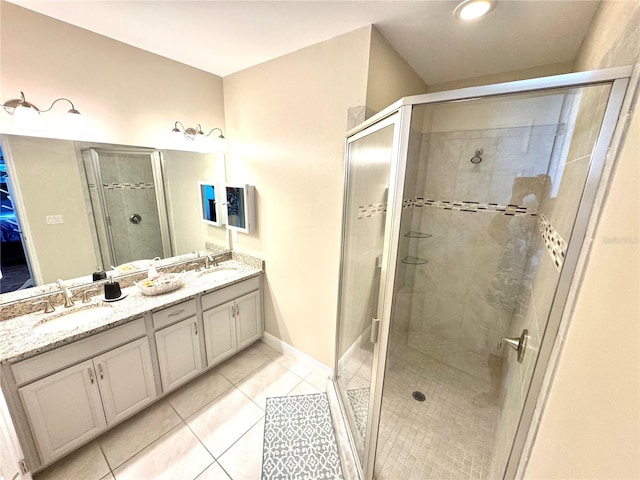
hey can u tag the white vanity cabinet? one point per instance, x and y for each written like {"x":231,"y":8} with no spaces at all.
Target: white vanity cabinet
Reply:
{"x":64,"y":410}
{"x":220,"y":333}
{"x":232,"y":319}
{"x":69,"y":407}
{"x":125,"y":378}
{"x":178,"y":344}
{"x":63,"y":398}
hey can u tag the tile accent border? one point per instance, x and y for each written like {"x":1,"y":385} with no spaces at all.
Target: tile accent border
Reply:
{"x":556,"y":245}
{"x":553,"y":241}
{"x":470,"y":206}
{"x":129,"y":186}
{"x":370,"y":210}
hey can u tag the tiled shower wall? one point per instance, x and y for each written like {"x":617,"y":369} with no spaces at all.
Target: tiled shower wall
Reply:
{"x":457,"y":306}
{"x":129,"y":189}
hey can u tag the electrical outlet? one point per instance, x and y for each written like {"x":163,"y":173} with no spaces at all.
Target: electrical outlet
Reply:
{"x":53,"y":219}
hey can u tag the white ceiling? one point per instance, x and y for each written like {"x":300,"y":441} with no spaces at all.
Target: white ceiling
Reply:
{"x":223,"y":37}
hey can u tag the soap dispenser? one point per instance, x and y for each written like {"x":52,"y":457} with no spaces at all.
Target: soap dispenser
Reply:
{"x":99,"y":274}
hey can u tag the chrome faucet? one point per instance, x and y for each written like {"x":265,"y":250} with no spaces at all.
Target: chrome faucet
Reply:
{"x":66,"y":292}
{"x":210,"y":260}
{"x":48,"y":307}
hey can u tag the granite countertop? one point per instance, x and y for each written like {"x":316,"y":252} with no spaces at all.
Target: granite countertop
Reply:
{"x":19,"y":339}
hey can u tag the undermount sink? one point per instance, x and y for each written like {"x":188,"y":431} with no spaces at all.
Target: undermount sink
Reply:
{"x":72,"y":319}
{"x":218,"y":272}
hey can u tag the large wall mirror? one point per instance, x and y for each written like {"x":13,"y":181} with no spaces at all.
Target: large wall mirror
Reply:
{"x":75,"y":206}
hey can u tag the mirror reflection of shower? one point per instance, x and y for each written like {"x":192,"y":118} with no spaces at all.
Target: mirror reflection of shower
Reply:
{"x":126,"y":195}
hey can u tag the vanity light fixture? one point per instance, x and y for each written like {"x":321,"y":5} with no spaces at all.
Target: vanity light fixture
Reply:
{"x":472,"y":9}
{"x":200,"y":138}
{"x":27,"y":116}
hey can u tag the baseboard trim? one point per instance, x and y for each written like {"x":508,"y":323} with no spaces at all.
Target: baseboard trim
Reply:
{"x":364,"y":336}
{"x":285,"y":348}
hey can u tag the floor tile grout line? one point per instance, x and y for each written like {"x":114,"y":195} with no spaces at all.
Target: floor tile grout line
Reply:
{"x":225,"y":471}
{"x":207,"y":467}
{"x":205,"y":405}
{"x":154,"y":440}
{"x":215,"y":459}
{"x":106,"y":460}
{"x":238,"y":439}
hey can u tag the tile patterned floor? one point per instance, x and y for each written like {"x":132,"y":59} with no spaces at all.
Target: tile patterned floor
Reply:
{"x":449,"y":435}
{"x":209,"y":429}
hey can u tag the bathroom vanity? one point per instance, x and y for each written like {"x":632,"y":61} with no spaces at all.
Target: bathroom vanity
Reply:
{"x":65,"y":387}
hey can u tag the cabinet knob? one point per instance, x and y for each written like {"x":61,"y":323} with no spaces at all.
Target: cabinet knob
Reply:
{"x":100,"y":371}
{"x":90,"y":370}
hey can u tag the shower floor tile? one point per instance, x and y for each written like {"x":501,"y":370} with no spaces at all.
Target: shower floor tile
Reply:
{"x":447,"y":436}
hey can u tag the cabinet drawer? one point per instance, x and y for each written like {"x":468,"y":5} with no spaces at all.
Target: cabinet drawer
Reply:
{"x":45,"y":363}
{"x":227,"y":294}
{"x":173,"y":314}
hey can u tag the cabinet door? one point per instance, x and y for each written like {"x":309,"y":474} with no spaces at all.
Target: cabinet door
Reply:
{"x":248,"y":319}
{"x":125,"y":377}
{"x":64,"y":410}
{"x":178,"y":353}
{"x":219,"y":333}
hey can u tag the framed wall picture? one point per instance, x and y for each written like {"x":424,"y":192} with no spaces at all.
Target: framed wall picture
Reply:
{"x":210,"y":211}
{"x":240,"y":202}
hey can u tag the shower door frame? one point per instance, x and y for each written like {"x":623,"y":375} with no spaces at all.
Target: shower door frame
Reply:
{"x":155,"y":157}
{"x":619,"y":79}
{"x":390,"y":242}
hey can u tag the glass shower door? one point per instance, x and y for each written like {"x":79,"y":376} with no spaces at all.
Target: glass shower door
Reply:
{"x":371,"y":161}
{"x":127,"y":199}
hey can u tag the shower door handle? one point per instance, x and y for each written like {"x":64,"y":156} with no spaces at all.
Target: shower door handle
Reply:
{"x":375,"y":329}
{"x":519,"y":344}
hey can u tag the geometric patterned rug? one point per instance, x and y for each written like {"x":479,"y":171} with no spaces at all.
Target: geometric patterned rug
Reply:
{"x":359,"y":402}
{"x":299,"y":441}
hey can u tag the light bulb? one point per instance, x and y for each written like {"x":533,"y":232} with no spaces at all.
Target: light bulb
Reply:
{"x":471,"y":9}
{"x":221,"y":144}
{"x":27,"y":118}
{"x":75,"y":123}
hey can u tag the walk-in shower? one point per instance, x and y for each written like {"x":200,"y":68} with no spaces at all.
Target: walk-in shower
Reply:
{"x":465,"y":212}
{"x":127,"y":200}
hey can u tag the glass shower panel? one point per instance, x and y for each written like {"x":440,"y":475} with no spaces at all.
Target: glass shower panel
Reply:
{"x":369,"y":160}
{"x":123,"y":198}
{"x":487,"y":216}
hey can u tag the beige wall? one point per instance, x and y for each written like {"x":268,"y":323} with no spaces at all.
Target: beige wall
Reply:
{"x":590,"y":427}
{"x":390,"y":76}
{"x":130,"y":96}
{"x":512,"y":76}
{"x":51,"y":191}
{"x":183,"y":199}
{"x":286,"y":121}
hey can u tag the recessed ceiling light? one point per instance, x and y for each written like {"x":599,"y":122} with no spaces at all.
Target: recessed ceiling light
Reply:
{"x":470,"y":9}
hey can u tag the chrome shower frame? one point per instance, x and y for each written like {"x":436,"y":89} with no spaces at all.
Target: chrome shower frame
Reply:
{"x":623,"y":80}
{"x":157,"y":167}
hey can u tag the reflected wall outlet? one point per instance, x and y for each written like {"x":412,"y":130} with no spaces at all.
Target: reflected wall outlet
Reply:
{"x":53,"y":219}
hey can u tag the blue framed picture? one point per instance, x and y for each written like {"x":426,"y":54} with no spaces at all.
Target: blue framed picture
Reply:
{"x":209,"y":204}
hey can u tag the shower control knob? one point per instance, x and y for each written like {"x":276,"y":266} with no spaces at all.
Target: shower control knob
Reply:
{"x":519,"y":344}
{"x":135,"y":218}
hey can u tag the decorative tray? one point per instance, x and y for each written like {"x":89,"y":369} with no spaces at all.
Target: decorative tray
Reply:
{"x":165,"y":283}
